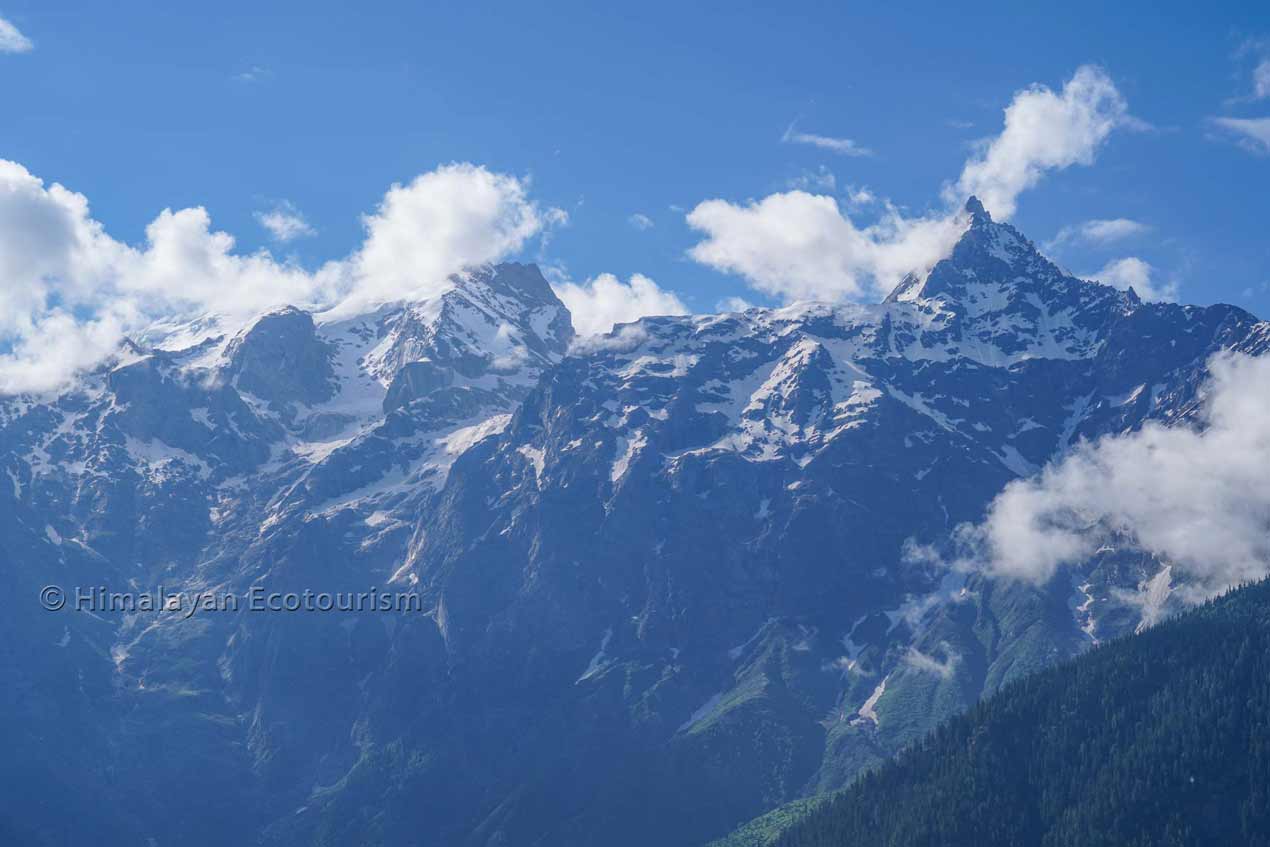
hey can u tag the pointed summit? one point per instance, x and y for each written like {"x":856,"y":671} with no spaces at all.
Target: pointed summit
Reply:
{"x":982,"y":236}
{"x":978,"y":214}
{"x":991,"y":267}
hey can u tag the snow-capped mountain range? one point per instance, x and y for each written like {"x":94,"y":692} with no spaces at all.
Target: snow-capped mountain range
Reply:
{"x":663,"y":571}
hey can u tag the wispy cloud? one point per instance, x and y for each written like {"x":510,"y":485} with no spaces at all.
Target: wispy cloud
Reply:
{"x":285,"y":222}
{"x":733,"y":304}
{"x":1253,"y":53}
{"x":12,"y":40}
{"x":820,"y":180}
{"x":1252,"y":134}
{"x":641,"y":221}
{"x":1261,"y":80}
{"x":1100,"y":232}
{"x":253,"y":74}
{"x":915,"y":658}
{"x":841,"y":146}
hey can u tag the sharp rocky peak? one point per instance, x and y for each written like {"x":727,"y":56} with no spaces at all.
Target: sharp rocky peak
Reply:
{"x":570,"y":527}
{"x":993,"y":268}
{"x":978,"y":214}
{"x":493,"y":319}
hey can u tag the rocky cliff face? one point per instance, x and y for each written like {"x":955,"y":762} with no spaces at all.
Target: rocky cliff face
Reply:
{"x":662,"y":573}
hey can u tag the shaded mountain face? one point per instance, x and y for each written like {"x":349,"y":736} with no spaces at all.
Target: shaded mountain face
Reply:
{"x":662,"y":573}
{"x":192,"y":464}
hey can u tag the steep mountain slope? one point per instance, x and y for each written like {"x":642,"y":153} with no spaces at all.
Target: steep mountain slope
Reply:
{"x":689,"y":540}
{"x":663,"y":573}
{"x":181,"y":466}
{"x":1158,"y":738}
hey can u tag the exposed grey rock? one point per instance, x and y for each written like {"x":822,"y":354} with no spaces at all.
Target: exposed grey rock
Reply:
{"x":282,"y":360}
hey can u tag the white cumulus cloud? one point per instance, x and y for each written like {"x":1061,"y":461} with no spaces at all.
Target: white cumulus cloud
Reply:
{"x":800,"y":245}
{"x":13,"y":41}
{"x":69,"y":292}
{"x":455,"y":216}
{"x":1197,"y":497}
{"x":598,"y":304}
{"x":1135,"y":273}
{"x":1044,"y":130}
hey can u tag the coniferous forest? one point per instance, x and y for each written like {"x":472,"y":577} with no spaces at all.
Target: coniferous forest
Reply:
{"x":796,"y":425}
{"x":1161,"y":738}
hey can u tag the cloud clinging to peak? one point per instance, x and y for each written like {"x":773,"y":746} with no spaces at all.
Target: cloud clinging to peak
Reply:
{"x":441,"y":221}
{"x":1135,"y":273}
{"x":802,"y":245}
{"x":598,"y":304}
{"x":69,"y":292}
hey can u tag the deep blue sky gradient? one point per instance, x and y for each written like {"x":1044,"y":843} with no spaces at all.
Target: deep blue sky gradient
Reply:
{"x":613,"y":109}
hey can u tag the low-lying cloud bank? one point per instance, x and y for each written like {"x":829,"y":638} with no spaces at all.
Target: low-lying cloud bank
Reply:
{"x":797,"y":245}
{"x":1197,"y":497}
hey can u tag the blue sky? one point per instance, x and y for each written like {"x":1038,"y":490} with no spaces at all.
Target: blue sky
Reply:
{"x":645,"y":109}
